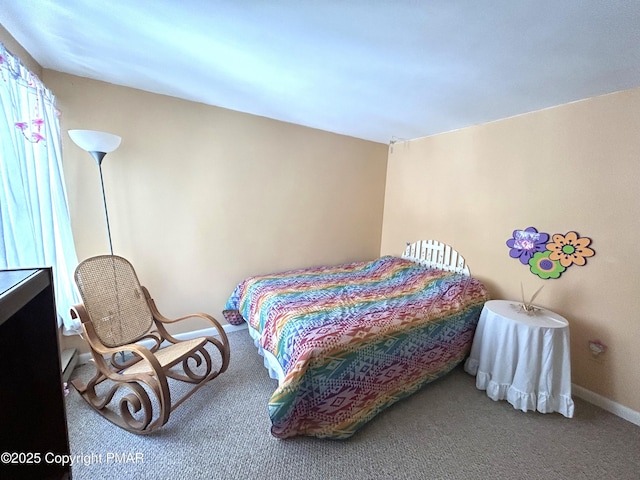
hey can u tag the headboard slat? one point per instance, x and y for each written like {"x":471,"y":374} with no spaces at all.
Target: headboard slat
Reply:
{"x":434,"y":254}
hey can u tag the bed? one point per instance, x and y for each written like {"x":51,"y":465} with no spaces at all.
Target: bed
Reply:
{"x":346,"y":342}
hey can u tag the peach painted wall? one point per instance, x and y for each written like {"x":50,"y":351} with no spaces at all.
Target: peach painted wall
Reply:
{"x":572,"y":167}
{"x":201,"y":197}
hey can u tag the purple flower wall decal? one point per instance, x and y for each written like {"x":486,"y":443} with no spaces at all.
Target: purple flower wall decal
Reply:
{"x":525,"y":243}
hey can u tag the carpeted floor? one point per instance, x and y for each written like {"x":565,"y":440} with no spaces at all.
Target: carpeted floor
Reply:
{"x":448,"y":430}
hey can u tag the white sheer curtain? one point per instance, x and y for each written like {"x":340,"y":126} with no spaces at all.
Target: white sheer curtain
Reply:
{"x":35,"y":228}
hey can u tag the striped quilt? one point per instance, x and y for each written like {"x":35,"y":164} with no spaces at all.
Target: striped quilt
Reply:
{"x":353,"y":339}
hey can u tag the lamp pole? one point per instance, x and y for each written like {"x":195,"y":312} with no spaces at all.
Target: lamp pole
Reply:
{"x":99,"y":156}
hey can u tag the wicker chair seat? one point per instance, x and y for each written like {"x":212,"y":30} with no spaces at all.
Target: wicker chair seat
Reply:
{"x":167,"y":357}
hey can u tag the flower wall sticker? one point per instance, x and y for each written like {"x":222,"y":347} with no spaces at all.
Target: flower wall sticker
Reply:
{"x":570,"y":249}
{"x":525,"y":243}
{"x":544,"y":267}
{"x":549,"y":259}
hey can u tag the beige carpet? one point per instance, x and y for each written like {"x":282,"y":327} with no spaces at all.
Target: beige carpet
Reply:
{"x":448,"y":430}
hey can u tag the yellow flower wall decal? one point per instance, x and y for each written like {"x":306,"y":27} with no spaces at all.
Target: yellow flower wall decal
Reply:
{"x":570,"y":249}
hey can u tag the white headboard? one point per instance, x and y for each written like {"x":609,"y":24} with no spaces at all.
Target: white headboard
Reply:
{"x":436,"y":255}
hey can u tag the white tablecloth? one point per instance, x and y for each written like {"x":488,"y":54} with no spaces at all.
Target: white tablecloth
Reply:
{"x":524,"y":359}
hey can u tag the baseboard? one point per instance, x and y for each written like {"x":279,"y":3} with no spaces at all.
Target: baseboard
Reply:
{"x":86,"y":357}
{"x":606,"y":404}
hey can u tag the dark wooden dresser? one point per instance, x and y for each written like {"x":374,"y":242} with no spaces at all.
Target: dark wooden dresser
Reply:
{"x":33,"y":422}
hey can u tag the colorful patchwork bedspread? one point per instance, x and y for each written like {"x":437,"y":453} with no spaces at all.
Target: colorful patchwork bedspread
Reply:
{"x":354,"y":339}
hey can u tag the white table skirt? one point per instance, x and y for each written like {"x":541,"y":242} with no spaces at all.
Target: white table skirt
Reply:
{"x":523,"y":359}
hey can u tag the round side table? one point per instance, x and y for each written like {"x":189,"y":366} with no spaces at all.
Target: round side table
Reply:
{"x":523,"y":358}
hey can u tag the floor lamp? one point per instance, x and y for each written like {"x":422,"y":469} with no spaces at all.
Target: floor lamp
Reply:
{"x":98,"y":144}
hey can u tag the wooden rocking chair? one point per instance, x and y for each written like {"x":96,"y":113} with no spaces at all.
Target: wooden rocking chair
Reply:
{"x":116,"y":313}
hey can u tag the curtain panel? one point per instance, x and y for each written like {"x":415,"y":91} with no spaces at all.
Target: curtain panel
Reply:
{"x":35,"y":226}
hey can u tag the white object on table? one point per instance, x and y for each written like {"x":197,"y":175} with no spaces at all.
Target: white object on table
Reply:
{"x":521,"y":358}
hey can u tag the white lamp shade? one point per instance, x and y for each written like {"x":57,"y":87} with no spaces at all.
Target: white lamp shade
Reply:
{"x":94,"y":141}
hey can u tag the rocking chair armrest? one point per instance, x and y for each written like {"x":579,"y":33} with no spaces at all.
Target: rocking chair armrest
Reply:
{"x":205,"y":316}
{"x":139,"y":350}
{"x":164,"y":320}
{"x":161,"y":318}
{"x":98,"y":348}
{"x":131,"y":347}
{"x":79,"y":312}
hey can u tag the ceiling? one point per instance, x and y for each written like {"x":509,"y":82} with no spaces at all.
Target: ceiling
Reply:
{"x":371,"y":69}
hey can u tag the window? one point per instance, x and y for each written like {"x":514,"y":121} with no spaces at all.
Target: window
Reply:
{"x":35,"y":227}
